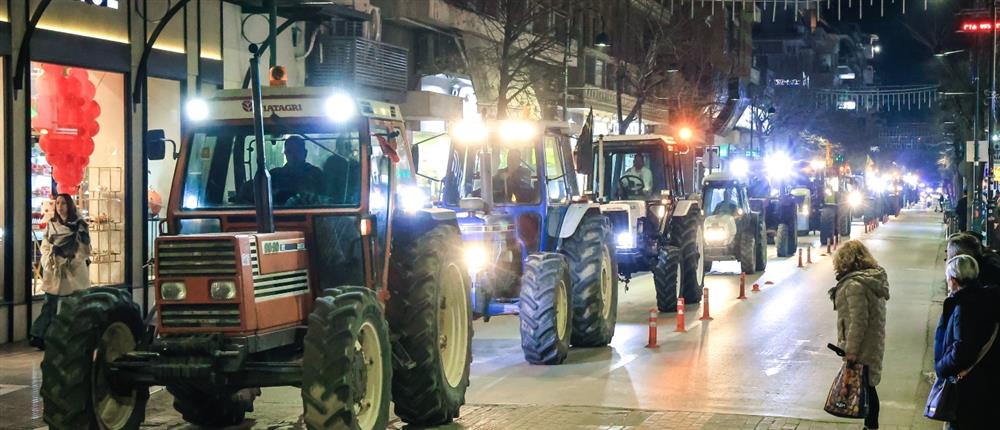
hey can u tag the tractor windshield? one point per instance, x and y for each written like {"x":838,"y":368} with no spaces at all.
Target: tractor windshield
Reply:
{"x":722,"y":198}
{"x":514,"y":171}
{"x":634,"y":174}
{"x":309,"y":167}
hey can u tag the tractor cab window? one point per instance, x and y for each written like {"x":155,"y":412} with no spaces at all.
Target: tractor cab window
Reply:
{"x":309,"y":168}
{"x":514,"y":172}
{"x":634,"y":175}
{"x":722,"y":199}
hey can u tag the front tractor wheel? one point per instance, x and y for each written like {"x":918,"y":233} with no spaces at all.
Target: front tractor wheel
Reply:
{"x":692,"y":247}
{"x":429,"y":309}
{"x":346,"y":366}
{"x":782,"y":241}
{"x":546,"y":308}
{"x":667,"y":277}
{"x":595,"y":281}
{"x":92,"y":329}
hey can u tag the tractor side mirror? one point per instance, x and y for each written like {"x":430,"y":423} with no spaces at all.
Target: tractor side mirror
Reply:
{"x":473,"y":204}
{"x":156,"y":144}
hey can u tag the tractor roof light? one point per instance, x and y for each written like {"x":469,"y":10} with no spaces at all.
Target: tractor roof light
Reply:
{"x":739,"y":167}
{"x":517,"y":131}
{"x":685,"y":133}
{"x":196,"y":109}
{"x":778,"y":165}
{"x":340,"y":107}
{"x":469,"y":132}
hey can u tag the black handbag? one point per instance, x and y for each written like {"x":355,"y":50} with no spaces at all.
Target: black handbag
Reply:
{"x":942,"y":401}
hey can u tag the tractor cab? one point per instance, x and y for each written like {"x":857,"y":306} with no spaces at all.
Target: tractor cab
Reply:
{"x":732,"y":230}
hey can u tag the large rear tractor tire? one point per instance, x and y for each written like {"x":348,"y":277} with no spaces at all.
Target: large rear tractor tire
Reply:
{"x":207,"y":409}
{"x":546,"y":308}
{"x":347,"y":363}
{"x":667,"y":278}
{"x":595,"y":281}
{"x":845,"y":222}
{"x":92,"y":329}
{"x":827,"y":221}
{"x":747,"y":252}
{"x":429,"y":310}
{"x":692,"y":246}
{"x":761,"y":252}
{"x":782,"y":240}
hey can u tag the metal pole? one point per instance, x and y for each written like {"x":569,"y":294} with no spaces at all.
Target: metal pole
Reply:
{"x":262,"y":198}
{"x":568,"y":42}
{"x":272,"y":33}
{"x":970,"y":177}
{"x":990,"y":206}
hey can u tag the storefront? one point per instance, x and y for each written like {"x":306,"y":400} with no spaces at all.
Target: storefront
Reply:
{"x":80,"y":128}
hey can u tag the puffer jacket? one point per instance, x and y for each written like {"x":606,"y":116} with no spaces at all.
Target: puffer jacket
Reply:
{"x":859,"y":299}
{"x":65,"y":274}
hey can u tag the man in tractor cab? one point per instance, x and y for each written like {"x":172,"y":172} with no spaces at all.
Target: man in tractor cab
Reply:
{"x":728,"y":204}
{"x":297,"y":176}
{"x":513,"y":183}
{"x":341,"y":171}
{"x":640,"y":171}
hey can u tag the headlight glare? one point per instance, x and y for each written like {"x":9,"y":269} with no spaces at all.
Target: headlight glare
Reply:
{"x":222,"y":290}
{"x":173,"y":291}
{"x":854,"y":199}
{"x":715,"y":234}
{"x":475,"y":258}
{"x":625,"y":240}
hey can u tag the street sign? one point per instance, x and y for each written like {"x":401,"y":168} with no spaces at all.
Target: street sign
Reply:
{"x":974,"y":154}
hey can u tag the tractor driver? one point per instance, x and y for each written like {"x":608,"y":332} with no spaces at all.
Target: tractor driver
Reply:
{"x":297,"y":176}
{"x":513,"y":183}
{"x":639,"y":170}
{"x":728,"y":204}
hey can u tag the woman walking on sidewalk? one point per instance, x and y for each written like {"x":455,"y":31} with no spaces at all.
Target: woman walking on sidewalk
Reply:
{"x":963,"y":348}
{"x":859,"y":298}
{"x":65,"y":257}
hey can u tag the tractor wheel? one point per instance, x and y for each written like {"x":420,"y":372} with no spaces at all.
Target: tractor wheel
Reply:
{"x":747,"y":252}
{"x":207,"y":409}
{"x":430,"y":312}
{"x":92,"y":329}
{"x":546,"y":308}
{"x":845,"y":223}
{"x":692,"y":245}
{"x":667,"y":277}
{"x":347,"y":363}
{"x":595,"y":281}
{"x":782,"y":240}
{"x":827,"y":220}
{"x":761,"y":253}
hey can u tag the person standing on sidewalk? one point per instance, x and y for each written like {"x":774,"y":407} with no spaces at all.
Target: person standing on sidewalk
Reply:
{"x":859,"y":298}
{"x":988,"y":261}
{"x":962,"y":347}
{"x":65,"y":260}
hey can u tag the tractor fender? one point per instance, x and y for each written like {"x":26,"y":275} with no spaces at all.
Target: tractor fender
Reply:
{"x":408,"y":226}
{"x":574,"y":214}
{"x":685,"y":207}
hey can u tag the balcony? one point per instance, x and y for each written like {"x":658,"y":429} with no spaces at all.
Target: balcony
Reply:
{"x":604,"y":99}
{"x":358,"y":63}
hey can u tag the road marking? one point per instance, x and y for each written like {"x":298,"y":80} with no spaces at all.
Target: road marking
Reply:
{"x":9,"y":388}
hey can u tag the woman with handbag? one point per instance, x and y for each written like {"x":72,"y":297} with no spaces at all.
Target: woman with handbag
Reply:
{"x":966,"y":355}
{"x":65,"y":260}
{"x":859,"y":298}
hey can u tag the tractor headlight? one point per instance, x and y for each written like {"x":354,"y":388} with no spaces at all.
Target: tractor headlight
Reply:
{"x":715,"y":234}
{"x":805,"y":210}
{"x":854,"y":199}
{"x":339,"y":107}
{"x":173,"y":291}
{"x":222,"y":290}
{"x":475,"y":258}
{"x":196,"y":109}
{"x":411,"y":198}
{"x":625,"y":240}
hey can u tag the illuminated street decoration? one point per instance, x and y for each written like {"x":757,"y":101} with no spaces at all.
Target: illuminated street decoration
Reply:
{"x":794,"y":5}
{"x":892,"y":98}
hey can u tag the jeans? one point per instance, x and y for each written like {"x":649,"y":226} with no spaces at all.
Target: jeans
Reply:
{"x":49,"y":310}
{"x":871,"y":421}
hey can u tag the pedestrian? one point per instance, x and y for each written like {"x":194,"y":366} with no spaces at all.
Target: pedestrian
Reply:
{"x":962,"y":212}
{"x":859,"y":299}
{"x":65,"y":260}
{"x":966,"y":345}
{"x":988,"y":261}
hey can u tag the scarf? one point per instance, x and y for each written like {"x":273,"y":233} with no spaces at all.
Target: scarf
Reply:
{"x":65,"y":243}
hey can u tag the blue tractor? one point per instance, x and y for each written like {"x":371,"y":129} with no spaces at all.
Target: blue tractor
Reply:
{"x":533,"y":246}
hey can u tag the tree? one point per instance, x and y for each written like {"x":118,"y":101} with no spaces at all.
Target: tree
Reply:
{"x":642,"y":56}
{"x":519,"y":34}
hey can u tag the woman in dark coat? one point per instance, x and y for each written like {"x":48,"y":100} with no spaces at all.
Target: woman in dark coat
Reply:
{"x":968,"y":323}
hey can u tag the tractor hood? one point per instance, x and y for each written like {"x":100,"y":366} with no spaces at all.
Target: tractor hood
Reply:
{"x":624,"y":216}
{"x":720,"y":230}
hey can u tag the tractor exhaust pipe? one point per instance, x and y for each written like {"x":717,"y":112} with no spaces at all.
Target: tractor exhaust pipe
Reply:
{"x":262,"y":183}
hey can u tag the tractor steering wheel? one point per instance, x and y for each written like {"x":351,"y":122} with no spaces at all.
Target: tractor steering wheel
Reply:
{"x":631,"y":185}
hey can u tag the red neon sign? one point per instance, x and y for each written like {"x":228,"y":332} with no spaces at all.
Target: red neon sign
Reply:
{"x":979,"y":27}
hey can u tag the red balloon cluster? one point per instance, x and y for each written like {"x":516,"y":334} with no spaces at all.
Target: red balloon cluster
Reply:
{"x":68,"y":134}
